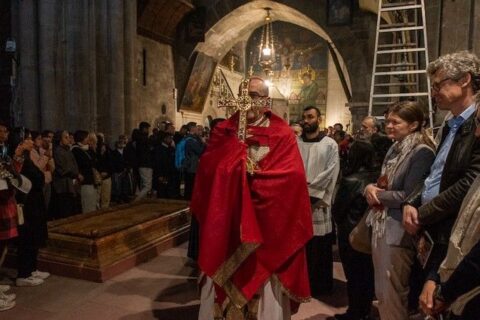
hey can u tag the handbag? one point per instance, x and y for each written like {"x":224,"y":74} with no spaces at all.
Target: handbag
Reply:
{"x":361,"y":237}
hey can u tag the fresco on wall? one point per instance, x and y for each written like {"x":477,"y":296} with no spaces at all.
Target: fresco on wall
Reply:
{"x":196,"y":91}
{"x":300,"y":68}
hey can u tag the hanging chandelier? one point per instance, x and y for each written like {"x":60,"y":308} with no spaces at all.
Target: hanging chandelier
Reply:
{"x":266,"y":57}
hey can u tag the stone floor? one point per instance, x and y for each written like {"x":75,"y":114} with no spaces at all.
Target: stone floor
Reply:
{"x":163,"y":288}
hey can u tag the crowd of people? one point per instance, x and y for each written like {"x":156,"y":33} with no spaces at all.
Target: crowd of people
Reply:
{"x":53,"y":175}
{"x":401,"y":204}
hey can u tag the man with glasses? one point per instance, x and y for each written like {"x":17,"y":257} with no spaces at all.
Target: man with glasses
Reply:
{"x":435,"y":205}
{"x":252,"y":205}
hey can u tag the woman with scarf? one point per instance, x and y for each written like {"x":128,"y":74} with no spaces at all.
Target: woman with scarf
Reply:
{"x":406,"y":164}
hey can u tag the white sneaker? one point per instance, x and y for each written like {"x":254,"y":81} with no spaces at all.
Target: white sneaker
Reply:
{"x":8,"y":296}
{"x":6,"y":305}
{"x":40,"y":274}
{"x":28,"y":282}
{"x":4,"y":287}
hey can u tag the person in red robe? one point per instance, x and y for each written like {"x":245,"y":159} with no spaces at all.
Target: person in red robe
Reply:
{"x":251,"y":201}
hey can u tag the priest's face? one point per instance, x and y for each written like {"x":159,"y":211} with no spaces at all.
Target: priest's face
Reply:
{"x":257,"y":89}
{"x":311,"y":121}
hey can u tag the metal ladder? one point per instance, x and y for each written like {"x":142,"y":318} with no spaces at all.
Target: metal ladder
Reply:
{"x":401,"y":56}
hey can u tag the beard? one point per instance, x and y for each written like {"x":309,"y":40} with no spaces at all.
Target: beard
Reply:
{"x":310,"y":128}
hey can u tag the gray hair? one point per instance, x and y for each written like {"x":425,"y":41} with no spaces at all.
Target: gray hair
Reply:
{"x":375,"y":122}
{"x":456,"y":65}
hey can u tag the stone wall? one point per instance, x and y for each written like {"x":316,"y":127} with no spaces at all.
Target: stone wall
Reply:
{"x":75,"y":64}
{"x":157,"y":89}
{"x":355,"y":42}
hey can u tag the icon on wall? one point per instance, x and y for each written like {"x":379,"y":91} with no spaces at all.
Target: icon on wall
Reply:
{"x":339,"y":12}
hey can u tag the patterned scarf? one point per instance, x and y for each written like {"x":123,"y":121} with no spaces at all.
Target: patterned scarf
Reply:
{"x":465,"y":235}
{"x":395,"y":156}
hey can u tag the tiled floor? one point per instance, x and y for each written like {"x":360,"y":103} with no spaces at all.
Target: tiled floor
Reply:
{"x":163,"y":288}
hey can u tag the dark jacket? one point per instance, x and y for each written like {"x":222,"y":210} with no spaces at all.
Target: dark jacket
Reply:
{"x":34,"y":230}
{"x":66,"y":169}
{"x":104,"y":160}
{"x":466,"y":276}
{"x":461,"y":168}
{"x":144,"y":151}
{"x":193,"y":150}
{"x":350,"y":204}
{"x":165,"y":161}
{"x":86,"y":163}
{"x":118,"y":161}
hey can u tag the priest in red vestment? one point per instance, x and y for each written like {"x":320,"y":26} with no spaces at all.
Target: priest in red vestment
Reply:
{"x":251,"y":201}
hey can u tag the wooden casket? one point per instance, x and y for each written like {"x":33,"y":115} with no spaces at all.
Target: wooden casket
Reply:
{"x":99,"y":245}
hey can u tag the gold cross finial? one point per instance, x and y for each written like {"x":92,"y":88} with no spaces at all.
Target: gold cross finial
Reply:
{"x":242,"y":104}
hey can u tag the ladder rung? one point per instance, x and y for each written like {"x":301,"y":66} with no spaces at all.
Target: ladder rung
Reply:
{"x":382,"y":103}
{"x":402,"y":3}
{"x":401,"y":29}
{"x":397,"y":45}
{"x":400,"y":24}
{"x":393,"y":95}
{"x":403,"y":7}
{"x":391,"y":65}
{"x":393,"y":84}
{"x":391,"y":73}
{"x":401,"y":50}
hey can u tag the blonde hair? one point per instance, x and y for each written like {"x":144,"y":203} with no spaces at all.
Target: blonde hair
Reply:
{"x":92,"y":139}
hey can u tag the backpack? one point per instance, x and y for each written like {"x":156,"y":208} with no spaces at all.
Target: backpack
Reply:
{"x":180,"y":162}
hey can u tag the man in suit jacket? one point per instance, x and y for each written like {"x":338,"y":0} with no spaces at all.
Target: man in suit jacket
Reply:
{"x":435,"y":205}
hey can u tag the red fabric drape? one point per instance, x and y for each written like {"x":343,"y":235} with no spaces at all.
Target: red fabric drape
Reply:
{"x":270,"y":209}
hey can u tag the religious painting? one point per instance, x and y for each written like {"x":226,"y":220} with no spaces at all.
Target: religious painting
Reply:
{"x":300,"y":69}
{"x":339,"y":12}
{"x":196,"y":91}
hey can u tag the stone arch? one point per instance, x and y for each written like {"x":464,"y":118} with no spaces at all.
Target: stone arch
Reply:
{"x":248,"y":17}
{"x":238,"y":25}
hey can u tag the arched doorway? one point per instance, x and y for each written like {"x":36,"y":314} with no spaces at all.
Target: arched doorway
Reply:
{"x":237,"y":26}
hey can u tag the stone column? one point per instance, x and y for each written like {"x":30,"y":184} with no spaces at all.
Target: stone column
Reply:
{"x":27,"y":47}
{"x":103,"y":64}
{"x":117,"y":68}
{"x":130,"y":11}
{"x":80,"y":104}
{"x":50,"y":23}
{"x":455,"y":26}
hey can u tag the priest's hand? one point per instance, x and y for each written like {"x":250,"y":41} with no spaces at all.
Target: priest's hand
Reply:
{"x":410,"y":219}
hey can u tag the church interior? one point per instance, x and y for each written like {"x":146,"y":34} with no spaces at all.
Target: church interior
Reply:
{"x":106,"y":66}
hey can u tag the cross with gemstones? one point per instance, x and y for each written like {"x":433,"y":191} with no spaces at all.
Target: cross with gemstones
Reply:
{"x":242,"y":104}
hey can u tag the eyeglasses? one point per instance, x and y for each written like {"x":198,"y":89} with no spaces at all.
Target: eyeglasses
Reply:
{"x":438,"y":85}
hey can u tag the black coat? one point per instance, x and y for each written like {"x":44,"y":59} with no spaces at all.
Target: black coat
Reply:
{"x":350,"y":204}
{"x":461,"y":168}
{"x":144,"y":151}
{"x":86,"y":163}
{"x":465,"y":277}
{"x":66,"y":169}
{"x":118,"y":161}
{"x":34,"y":230}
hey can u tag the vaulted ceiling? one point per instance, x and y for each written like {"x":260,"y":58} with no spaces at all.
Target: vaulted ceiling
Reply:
{"x":158,"y":19}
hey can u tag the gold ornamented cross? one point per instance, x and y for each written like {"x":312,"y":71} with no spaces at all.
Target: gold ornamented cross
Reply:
{"x":242,"y":104}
